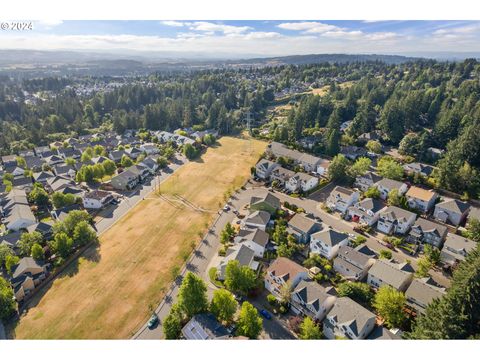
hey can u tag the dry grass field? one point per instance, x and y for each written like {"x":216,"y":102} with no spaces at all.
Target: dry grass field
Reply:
{"x":107,"y":293}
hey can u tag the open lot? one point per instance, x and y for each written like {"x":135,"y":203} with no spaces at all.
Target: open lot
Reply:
{"x":110,"y":291}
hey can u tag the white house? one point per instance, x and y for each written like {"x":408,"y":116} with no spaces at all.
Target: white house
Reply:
{"x":341,"y":198}
{"x":395,"y":220}
{"x":264,"y":168}
{"x":283,"y":272}
{"x":15,"y":210}
{"x":451,"y":211}
{"x":254,"y":239}
{"x":312,"y":299}
{"x":327,"y":243}
{"x":257,"y":219}
{"x":421,"y":199}
{"x":352,"y":264}
{"x":367,"y":180}
{"x":96,"y":199}
{"x":366,"y":211}
{"x":456,"y":248}
{"x":301,"y":181}
{"x":322,"y":168}
{"x":386,"y":185}
{"x":347,"y":319}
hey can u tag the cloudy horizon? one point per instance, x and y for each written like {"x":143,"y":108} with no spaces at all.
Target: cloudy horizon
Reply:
{"x":240,"y":38}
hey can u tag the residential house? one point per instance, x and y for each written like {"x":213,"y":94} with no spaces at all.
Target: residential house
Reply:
{"x":34,"y":163}
{"x":64,"y":170}
{"x":23,"y":183}
{"x":264,"y":168}
{"x":26,"y":275}
{"x":43,"y":228}
{"x":126,"y":180}
{"x":322,"y":168}
{"x":352,"y":264}
{"x":312,"y":299}
{"x":204,"y":326}
{"x":366,"y":181}
{"x":15,"y":211}
{"x":255,"y":239}
{"x":99,"y":159}
{"x":257,"y":219}
{"x":241,"y":253}
{"x":133,"y":152}
{"x":11,"y":239}
{"x":474,"y":214}
{"x":421,"y":199}
{"x":301,"y":181}
{"x":302,"y":226}
{"x":353,"y":152}
{"x":428,"y":232}
{"x":150,"y":164}
{"x":281,"y":175}
{"x":42,"y":177}
{"x":418,"y":168}
{"x":58,"y":183}
{"x":9,"y":160}
{"x":386,"y":185}
{"x":61,"y":214}
{"x":455,"y":249}
{"x":421,"y":293}
{"x":268,"y":202}
{"x":451,"y":211}
{"x":116,"y":155}
{"x":398,"y":276}
{"x":395,"y":220}
{"x":283,"y":272}
{"x":141,"y":171}
{"x":341,"y":198}
{"x":347,"y":319}
{"x":308,"y":162}
{"x":54,"y":160}
{"x":366,"y":211}
{"x":149,"y":148}
{"x":327,"y":243}
{"x":96,"y":199}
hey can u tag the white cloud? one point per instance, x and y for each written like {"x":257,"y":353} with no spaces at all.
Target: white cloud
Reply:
{"x":214,"y":27}
{"x":47,"y":24}
{"x":173,"y":23}
{"x":308,"y":26}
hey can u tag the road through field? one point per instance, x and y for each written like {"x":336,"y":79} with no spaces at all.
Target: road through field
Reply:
{"x":110,"y":291}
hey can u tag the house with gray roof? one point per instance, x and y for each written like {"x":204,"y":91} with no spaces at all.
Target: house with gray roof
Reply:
{"x":367,"y":180}
{"x":26,"y":275}
{"x":348,"y":319}
{"x":302,"y":227}
{"x":126,"y":180}
{"x":398,"y":276}
{"x":353,"y":152}
{"x":281,"y":175}
{"x":15,"y":211}
{"x":451,"y":211}
{"x":312,"y":299}
{"x":204,"y":326}
{"x":267,"y":202}
{"x":327,"y":243}
{"x":366,"y":211}
{"x":301,"y":181}
{"x":382,"y":333}
{"x":386,"y":185}
{"x":264,"y":168}
{"x":352,"y":264}
{"x":474,"y":213}
{"x":255,"y":239}
{"x":42,"y":177}
{"x":456,"y":248}
{"x":257,"y":219}
{"x":11,"y":239}
{"x":422,"y":292}
{"x":418,"y":168}
{"x":395,"y":220}
{"x":34,"y":163}
{"x":241,"y":253}
{"x":428,"y":232}
{"x":341,"y":198}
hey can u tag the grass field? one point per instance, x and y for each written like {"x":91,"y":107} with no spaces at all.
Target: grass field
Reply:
{"x":108,"y":293}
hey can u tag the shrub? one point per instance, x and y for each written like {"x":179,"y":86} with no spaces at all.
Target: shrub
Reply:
{"x":272,"y":300}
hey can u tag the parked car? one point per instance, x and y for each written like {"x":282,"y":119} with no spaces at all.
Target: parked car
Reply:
{"x":153,"y":321}
{"x":226,"y":208}
{"x":265,"y":314}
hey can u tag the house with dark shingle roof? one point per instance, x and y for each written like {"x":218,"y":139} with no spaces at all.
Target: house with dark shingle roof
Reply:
{"x":418,"y":168}
{"x":428,"y":232}
{"x":352,"y":264}
{"x":456,"y":248}
{"x":366,"y":211}
{"x":204,"y":326}
{"x":451,"y":211}
{"x":327,"y":242}
{"x":312,"y":299}
{"x":27,"y":274}
{"x":255,"y":239}
{"x":264,"y":168}
{"x":257,"y":219}
{"x":367,"y":180}
{"x":395,"y":220}
{"x":241,"y":253}
{"x":382,"y":333}
{"x":386,"y":185}
{"x":347,"y":319}
{"x":268,"y":202}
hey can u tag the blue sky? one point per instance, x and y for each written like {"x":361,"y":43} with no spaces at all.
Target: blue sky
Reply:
{"x":237,"y":38}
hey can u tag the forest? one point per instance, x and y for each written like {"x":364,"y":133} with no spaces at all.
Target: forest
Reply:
{"x":413,"y":105}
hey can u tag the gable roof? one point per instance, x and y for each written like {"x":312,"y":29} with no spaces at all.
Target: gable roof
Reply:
{"x":348,"y":312}
{"x":258,"y":236}
{"x":426,"y":226}
{"x":285,"y":268}
{"x":389,"y":273}
{"x":303,"y":223}
{"x":454,"y":205}
{"x":423,"y":291}
{"x":393,"y":213}
{"x":24,"y":264}
{"x":258,"y":217}
{"x":329,"y":237}
{"x":204,"y":327}
{"x":313,"y":293}
{"x":268,"y":198}
{"x":422,"y":194}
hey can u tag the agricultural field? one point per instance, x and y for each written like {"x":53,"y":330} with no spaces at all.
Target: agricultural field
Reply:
{"x":110,"y":291}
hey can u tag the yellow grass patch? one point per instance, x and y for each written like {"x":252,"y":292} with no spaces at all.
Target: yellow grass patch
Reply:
{"x":107,"y":293}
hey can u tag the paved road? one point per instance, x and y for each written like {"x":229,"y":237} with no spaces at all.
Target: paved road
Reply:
{"x":112,"y":214}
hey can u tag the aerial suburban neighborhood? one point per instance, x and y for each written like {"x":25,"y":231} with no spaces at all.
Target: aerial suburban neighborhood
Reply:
{"x":312,"y":197}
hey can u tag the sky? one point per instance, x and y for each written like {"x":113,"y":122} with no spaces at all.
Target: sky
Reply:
{"x":249,"y":38}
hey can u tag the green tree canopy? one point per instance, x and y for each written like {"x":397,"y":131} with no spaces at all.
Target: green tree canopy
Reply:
{"x":309,"y":330}
{"x":239,"y":279}
{"x":172,"y":324}
{"x":389,"y":168}
{"x":390,"y":304}
{"x":8,"y":305}
{"x":249,"y":322}
{"x":223,"y":305}
{"x":192,"y":295}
